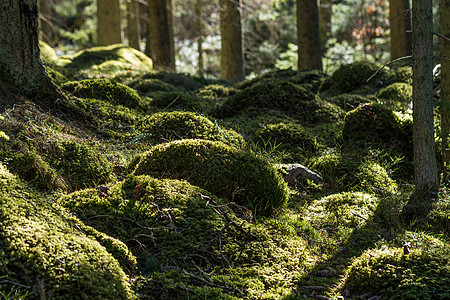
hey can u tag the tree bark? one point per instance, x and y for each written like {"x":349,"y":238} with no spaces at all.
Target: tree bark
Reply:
{"x":308,"y":36}
{"x":232,"y":49}
{"x":425,"y":167}
{"x":109,"y":30}
{"x":161,"y":39}
{"x":445,"y":86}
{"x":20,"y":63}
{"x":199,"y":21}
{"x":400,"y":26}
{"x":133,"y":26}
{"x":45,"y":22}
{"x":325,"y":12}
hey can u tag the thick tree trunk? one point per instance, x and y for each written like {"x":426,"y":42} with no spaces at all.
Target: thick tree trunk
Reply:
{"x":445,"y":86}
{"x":45,"y":22}
{"x":20,"y":63}
{"x":109,"y":30}
{"x":161,"y":43}
{"x":425,"y":168}
{"x":325,"y":12}
{"x":133,"y":26}
{"x":232,"y":49}
{"x":199,"y":21}
{"x":400,"y":26}
{"x":308,"y":36}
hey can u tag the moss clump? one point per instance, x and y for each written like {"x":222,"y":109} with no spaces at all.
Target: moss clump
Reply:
{"x":182,"y":82}
{"x":346,"y":173}
{"x":349,"y":101}
{"x":176,"y":101}
{"x":388,"y":273}
{"x":56,"y":76}
{"x":295,"y":101}
{"x":150,"y":86}
{"x":104,"y":89}
{"x":397,"y":96}
{"x":223,"y":170}
{"x":39,"y":246}
{"x":293,"y":138}
{"x":167,"y":126}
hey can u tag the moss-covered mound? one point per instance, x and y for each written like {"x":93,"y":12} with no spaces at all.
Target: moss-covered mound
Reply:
{"x":292,"y":138}
{"x":349,"y":101}
{"x":104,"y":89}
{"x":47,"y":253}
{"x":176,"y":101}
{"x":397,"y":96}
{"x":182,"y":82}
{"x":150,"y":86}
{"x":223,"y":170}
{"x":167,"y":126}
{"x":347,"y":173}
{"x":374,"y":124}
{"x":351,"y":77}
{"x":391,"y":274}
{"x":284,"y":96}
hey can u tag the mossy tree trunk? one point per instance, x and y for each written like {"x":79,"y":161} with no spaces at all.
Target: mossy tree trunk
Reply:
{"x":445,"y":85}
{"x":161,"y":35}
{"x":109,"y":29}
{"x":425,"y":167}
{"x":308,"y":36}
{"x":20,"y":63}
{"x":45,"y":22}
{"x":325,"y":12}
{"x":133,"y":26}
{"x":232,"y":45}
{"x":400,"y":26}
{"x":199,"y":22}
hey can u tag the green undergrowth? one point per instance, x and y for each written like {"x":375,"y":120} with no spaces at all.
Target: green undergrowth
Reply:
{"x":225,"y":171}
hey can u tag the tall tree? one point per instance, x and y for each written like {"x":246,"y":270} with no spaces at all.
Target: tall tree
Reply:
{"x":109,"y":30}
{"x":325,"y":12}
{"x":308,"y":36}
{"x":425,"y":167}
{"x":232,"y":46}
{"x":445,"y":85}
{"x":45,"y":21}
{"x":133,"y":24}
{"x":20,"y":63}
{"x":199,"y":23}
{"x":161,"y":35}
{"x":400,"y":26}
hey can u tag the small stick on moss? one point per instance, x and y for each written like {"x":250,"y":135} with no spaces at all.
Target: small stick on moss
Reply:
{"x":15,"y":283}
{"x":385,"y":65}
{"x":202,"y":272}
{"x":170,"y":104}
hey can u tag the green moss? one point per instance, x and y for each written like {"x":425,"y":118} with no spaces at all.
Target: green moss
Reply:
{"x":346,"y":173}
{"x":39,"y":246}
{"x":150,"y":86}
{"x":225,"y":171}
{"x":215,"y":91}
{"x":48,"y":54}
{"x":182,"y":82}
{"x":176,"y":101}
{"x":293,"y":138}
{"x":167,"y":126}
{"x":104,"y":89}
{"x":397,"y":96}
{"x":56,"y":76}
{"x":421,"y":274}
{"x":295,"y":101}
{"x":349,"y":101}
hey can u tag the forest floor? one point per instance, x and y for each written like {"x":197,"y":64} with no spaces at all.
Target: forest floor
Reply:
{"x":157,"y":185}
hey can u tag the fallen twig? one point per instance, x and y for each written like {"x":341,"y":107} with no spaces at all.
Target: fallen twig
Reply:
{"x":385,"y":65}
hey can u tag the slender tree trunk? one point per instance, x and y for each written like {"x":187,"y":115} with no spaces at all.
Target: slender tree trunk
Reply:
{"x":133,"y":26}
{"x":325,"y":12}
{"x":171,"y":36}
{"x":199,"y":16}
{"x":445,"y":86}
{"x":308,"y":36}
{"x":425,"y":167}
{"x":232,"y":49}
{"x":161,"y":44}
{"x":45,"y":22}
{"x":400,"y":26}
{"x":109,"y":30}
{"x":20,"y":63}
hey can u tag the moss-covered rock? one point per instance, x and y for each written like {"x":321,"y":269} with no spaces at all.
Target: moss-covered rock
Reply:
{"x":104,"y":89}
{"x":295,"y":101}
{"x":397,"y":96}
{"x":223,"y":170}
{"x":48,"y":253}
{"x":167,"y":126}
{"x":292,"y":138}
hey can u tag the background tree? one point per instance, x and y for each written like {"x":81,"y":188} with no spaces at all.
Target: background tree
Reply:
{"x":232,"y":51}
{"x":445,"y":85}
{"x":325,"y":12}
{"x":199,"y":19}
{"x":133,"y":26}
{"x":400,"y":26}
{"x":46,"y":31}
{"x":308,"y":36}
{"x":109,"y":30}
{"x":161,"y":35}
{"x":425,"y":168}
{"x":20,"y":63}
